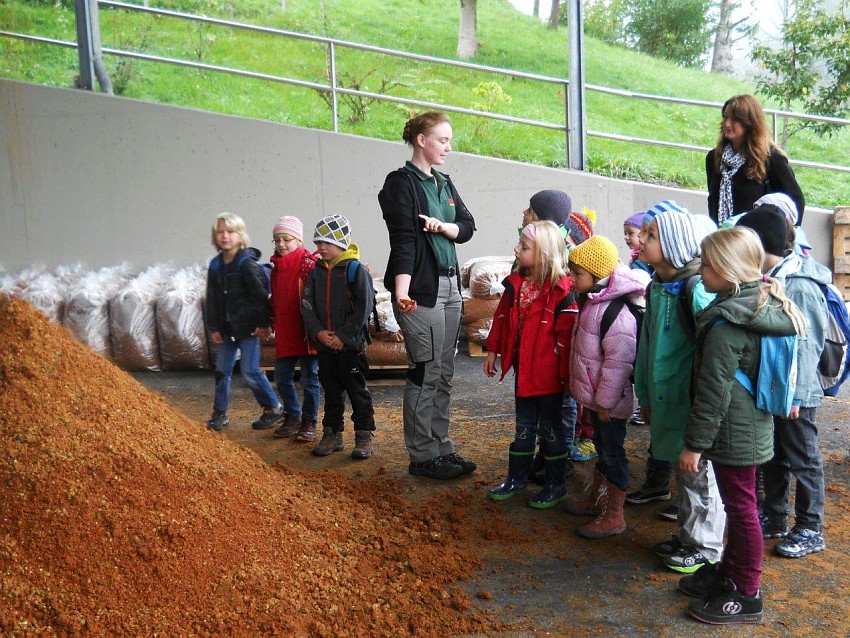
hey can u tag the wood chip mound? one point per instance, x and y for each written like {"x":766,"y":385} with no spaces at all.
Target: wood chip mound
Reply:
{"x":122,"y":517}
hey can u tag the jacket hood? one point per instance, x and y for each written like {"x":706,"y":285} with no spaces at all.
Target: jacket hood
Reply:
{"x":690,"y":268}
{"x":254,"y":253}
{"x":352,"y":252}
{"x":794,"y":265}
{"x":623,"y":281}
{"x":740,"y":309}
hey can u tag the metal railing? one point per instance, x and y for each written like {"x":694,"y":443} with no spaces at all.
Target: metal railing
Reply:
{"x":335,"y":89}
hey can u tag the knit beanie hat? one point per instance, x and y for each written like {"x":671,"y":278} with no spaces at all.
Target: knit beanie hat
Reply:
{"x":678,"y":236}
{"x":660,"y":207}
{"x":289,"y":225}
{"x":783,"y":202}
{"x":635,"y":220}
{"x":579,"y":226}
{"x":333,"y":229}
{"x":703,"y":227}
{"x":770,"y":225}
{"x":551,"y":205}
{"x":597,"y":255}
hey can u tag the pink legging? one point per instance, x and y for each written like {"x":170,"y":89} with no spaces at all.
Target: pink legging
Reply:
{"x":742,"y":556}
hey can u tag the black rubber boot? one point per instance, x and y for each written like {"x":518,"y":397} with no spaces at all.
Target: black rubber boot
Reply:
{"x":555,"y":490}
{"x":537,"y":474}
{"x":519,"y":465}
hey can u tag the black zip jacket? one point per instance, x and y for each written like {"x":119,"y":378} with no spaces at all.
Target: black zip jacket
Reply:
{"x":402,"y":200}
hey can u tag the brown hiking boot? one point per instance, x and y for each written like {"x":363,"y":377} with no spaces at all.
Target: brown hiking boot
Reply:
{"x":290,"y":426}
{"x":611,"y":520}
{"x":593,"y":500}
{"x":307,"y":431}
{"x":331,"y":442}
{"x":364,"y":444}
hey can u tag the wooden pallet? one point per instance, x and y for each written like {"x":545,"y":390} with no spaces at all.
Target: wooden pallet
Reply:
{"x":476,"y":349}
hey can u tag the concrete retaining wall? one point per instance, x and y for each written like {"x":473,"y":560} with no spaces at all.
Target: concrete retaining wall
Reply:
{"x":97,"y":179}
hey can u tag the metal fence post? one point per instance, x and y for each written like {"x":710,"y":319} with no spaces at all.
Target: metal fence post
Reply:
{"x":334,"y":95}
{"x":576,"y":106}
{"x":82,"y":11}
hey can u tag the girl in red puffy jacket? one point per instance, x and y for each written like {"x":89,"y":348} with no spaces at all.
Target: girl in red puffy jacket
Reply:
{"x":291,"y":265}
{"x":531,"y":332}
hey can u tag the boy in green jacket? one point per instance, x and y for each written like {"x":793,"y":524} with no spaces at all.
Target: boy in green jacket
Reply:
{"x":663,"y":381}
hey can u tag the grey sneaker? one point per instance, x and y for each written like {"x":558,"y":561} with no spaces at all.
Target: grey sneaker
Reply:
{"x":364,"y":444}
{"x":331,"y":442}
{"x":288,"y":428}
{"x":800,"y":542}
{"x":307,"y":431}
{"x":268,"y":419}
{"x":772,"y":528}
{"x":218,"y":420}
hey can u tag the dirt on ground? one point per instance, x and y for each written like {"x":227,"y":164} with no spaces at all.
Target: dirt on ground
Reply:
{"x":123,"y":516}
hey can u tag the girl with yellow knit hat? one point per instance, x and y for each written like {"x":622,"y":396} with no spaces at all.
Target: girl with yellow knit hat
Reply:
{"x":604,"y":344}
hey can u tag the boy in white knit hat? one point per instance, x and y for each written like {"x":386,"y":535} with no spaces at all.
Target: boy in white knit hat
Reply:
{"x":337,"y":303}
{"x":671,"y":245}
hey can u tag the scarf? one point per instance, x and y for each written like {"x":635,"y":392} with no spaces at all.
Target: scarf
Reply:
{"x":730,"y":162}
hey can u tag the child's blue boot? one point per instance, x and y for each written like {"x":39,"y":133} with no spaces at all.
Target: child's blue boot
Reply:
{"x":519,"y":465}
{"x":555,"y":490}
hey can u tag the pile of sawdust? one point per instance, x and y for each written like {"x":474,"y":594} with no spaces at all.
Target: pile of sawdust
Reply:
{"x":122,"y":517}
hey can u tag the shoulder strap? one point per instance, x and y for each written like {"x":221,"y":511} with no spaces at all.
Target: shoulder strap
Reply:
{"x":568,"y":300}
{"x":351,"y":271}
{"x":686,"y":301}
{"x":611,"y":313}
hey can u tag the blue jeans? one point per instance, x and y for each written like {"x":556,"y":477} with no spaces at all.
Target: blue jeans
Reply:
{"x":609,"y":439}
{"x":284,"y":377}
{"x":540,"y":417}
{"x":795,"y":446}
{"x":249,"y":364}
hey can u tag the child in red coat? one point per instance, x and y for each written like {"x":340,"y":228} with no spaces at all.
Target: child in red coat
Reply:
{"x":531,"y":331}
{"x":291,"y":265}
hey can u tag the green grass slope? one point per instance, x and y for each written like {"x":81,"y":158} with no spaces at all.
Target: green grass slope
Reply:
{"x":507,"y":39}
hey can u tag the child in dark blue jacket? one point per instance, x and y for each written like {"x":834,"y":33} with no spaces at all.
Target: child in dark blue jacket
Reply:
{"x":238,"y":317}
{"x":336,"y":308}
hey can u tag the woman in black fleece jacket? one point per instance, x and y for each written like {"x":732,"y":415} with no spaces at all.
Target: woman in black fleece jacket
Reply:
{"x":425,"y":218}
{"x":746,"y":163}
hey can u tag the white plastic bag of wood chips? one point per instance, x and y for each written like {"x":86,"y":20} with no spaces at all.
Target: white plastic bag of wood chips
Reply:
{"x":40,"y":288}
{"x":87,"y":306}
{"x":476,"y":309}
{"x":180,"y":323}
{"x":466,"y":269}
{"x":478,"y":331}
{"x":132,"y":320}
{"x":485,"y":278}
{"x":386,"y":354}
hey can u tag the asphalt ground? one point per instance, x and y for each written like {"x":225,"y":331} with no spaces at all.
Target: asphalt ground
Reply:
{"x":537,"y":574}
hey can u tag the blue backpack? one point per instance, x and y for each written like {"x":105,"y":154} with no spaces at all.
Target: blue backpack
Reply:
{"x":833,"y":366}
{"x":776,"y":379}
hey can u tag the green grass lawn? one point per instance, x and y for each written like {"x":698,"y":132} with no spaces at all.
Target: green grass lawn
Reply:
{"x":507,"y":40}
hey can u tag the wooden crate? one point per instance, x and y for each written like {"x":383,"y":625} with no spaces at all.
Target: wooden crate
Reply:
{"x":841,"y":249}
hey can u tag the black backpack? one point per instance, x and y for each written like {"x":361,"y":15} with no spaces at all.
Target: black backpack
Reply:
{"x":612,"y":312}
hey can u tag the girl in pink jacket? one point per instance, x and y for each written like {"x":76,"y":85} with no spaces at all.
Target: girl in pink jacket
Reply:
{"x":604,"y":344}
{"x":531,"y":331}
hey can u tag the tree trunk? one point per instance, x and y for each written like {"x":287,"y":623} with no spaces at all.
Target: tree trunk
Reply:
{"x":467,"y":41}
{"x":721,"y":58}
{"x":555,"y":14}
{"x":536,"y":11}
